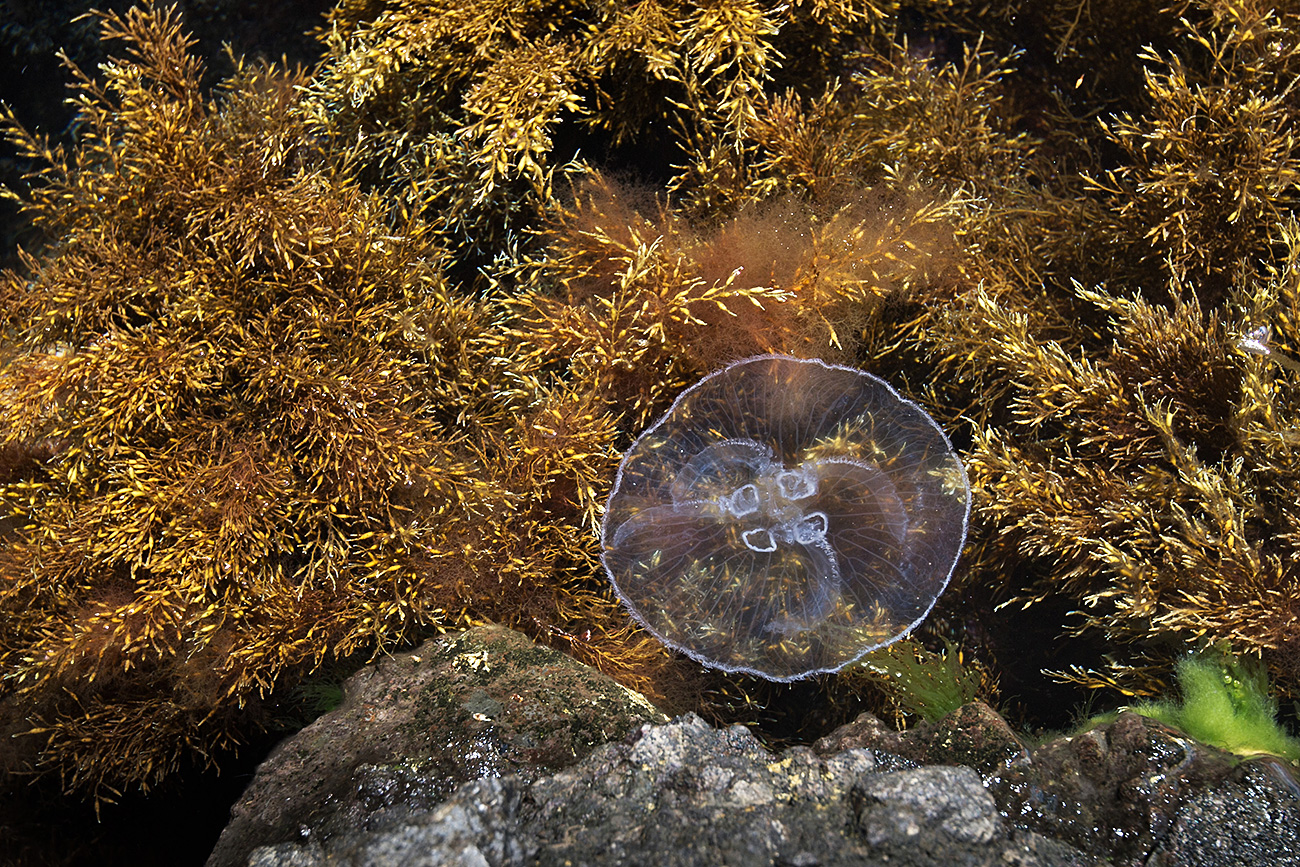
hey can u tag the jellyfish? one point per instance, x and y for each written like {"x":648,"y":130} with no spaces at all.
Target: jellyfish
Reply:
{"x":785,"y":517}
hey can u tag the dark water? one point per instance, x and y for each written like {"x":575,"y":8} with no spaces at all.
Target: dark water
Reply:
{"x":175,"y":825}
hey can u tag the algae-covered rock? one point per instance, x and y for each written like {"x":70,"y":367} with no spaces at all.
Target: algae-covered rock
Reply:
{"x":478,"y":704}
{"x":974,"y":735}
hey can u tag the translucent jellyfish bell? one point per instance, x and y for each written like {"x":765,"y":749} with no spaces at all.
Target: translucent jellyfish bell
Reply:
{"x":785,"y":517}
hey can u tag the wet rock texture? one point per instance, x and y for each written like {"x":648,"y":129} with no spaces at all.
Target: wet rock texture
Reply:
{"x":686,"y":795}
{"x":1251,"y":817}
{"x":974,"y":735}
{"x":1132,"y":791}
{"x":486,"y":702}
{"x":1116,"y":789}
{"x":482,"y":749}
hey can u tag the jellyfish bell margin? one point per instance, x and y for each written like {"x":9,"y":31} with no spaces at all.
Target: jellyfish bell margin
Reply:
{"x":784,"y":517}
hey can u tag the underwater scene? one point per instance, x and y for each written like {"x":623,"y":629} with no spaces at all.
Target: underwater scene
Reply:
{"x":781,"y":361}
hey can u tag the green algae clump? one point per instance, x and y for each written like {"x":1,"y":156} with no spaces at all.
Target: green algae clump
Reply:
{"x":920,"y":681}
{"x":1225,"y":701}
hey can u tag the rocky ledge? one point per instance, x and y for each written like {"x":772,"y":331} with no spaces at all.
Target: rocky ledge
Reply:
{"x":483,"y":749}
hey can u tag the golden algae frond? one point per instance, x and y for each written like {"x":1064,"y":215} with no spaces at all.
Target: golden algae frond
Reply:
{"x":250,"y":426}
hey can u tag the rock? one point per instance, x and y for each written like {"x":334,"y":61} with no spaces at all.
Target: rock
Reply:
{"x":894,"y":807}
{"x":482,"y":703}
{"x":685,"y":794}
{"x":1115,"y":791}
{"x":1251,"y":817}
{"x":974,"y":735}
{"x":1132,"y":790}
{"x":470,"y":751}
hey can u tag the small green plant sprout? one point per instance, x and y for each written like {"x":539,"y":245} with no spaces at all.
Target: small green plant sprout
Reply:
{"x":920,"y":681}
{"x":1225,"y":703}
{"x":1256,"y":342}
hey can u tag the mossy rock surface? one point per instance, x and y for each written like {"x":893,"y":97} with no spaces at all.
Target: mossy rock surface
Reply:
{"x":974,"y":735}
{"x":480,"y":703}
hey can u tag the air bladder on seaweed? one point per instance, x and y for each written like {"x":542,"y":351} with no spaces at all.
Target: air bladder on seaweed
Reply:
{"x":785,"y":517}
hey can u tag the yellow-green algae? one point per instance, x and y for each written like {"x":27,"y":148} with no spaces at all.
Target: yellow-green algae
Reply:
{"x":1224,"y":701}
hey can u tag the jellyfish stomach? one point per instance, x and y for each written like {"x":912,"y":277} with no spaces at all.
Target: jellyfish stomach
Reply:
{"x":719,"y":468}
{"x":813,"y":594}
{"x":743,"y":520}
{"x":776,"y":515}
